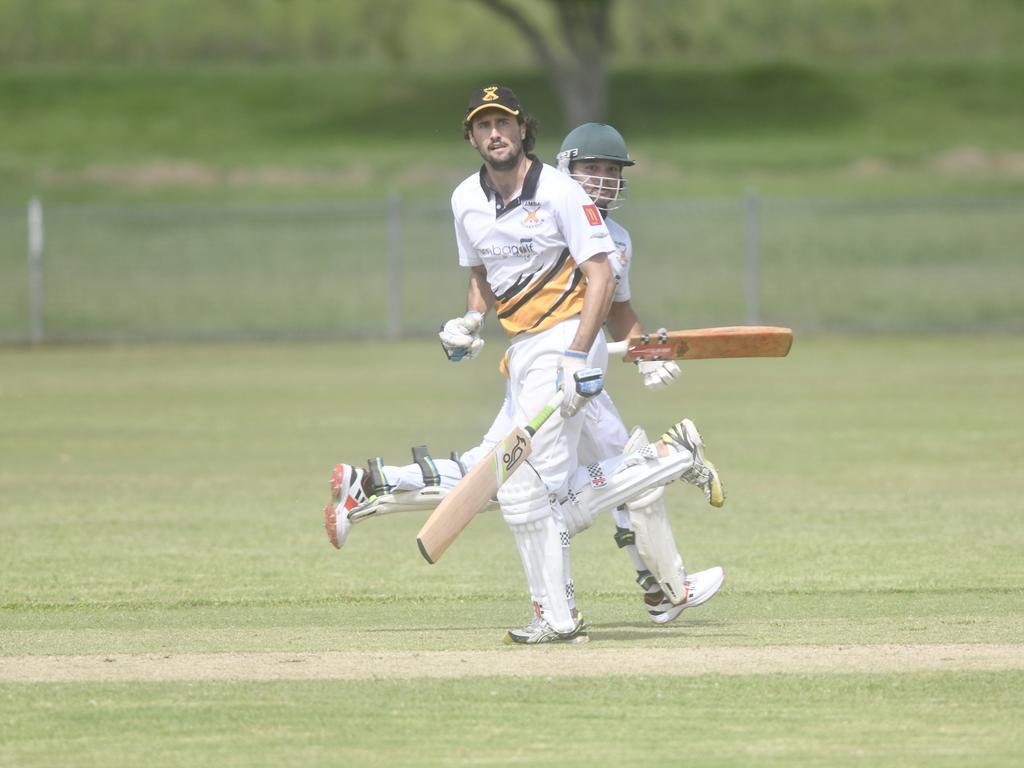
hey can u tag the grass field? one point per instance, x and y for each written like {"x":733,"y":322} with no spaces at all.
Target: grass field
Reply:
{"x":168,"y":595}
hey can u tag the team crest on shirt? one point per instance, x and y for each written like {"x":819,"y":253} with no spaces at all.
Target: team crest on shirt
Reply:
{"x":593,"y":215}
{"x":531,"y":219}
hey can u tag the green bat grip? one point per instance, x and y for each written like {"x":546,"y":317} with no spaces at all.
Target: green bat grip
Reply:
{"x":544,"y":414}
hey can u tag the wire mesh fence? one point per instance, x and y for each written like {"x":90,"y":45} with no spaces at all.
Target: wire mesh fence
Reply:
{"x":387,"y":268}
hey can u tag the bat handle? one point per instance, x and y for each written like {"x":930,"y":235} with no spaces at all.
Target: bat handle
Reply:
{"x":618,"y":347}
{"x":545,"y":413}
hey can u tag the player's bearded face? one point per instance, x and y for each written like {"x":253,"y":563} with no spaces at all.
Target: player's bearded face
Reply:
{"x":498,"y":138}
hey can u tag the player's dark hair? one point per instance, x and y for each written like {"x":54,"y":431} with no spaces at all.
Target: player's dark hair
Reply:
{"x":531,"y":133}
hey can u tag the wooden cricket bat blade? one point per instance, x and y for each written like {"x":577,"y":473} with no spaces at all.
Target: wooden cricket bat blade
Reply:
{"x":711,"y":343}
{"x":472,"y":494}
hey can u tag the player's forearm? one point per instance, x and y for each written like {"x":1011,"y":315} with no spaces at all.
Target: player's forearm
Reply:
{"x":479,"y":297}
{"x":622,"y":321}
{"x":600,"y":288}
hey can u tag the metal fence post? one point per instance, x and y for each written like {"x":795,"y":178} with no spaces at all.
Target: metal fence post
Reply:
{"x":35,"y":271}
{"x":753,"y":241}
{"x":394,"y":267}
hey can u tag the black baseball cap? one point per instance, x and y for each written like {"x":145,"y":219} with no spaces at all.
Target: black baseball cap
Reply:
{"x":497,"y":96}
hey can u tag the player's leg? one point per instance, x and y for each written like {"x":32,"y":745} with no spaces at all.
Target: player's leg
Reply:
{"x":642,"y":525}
{"x":632,"y":484}
{"x":528,"y":499}
{"x":384,"y":489}
{"x":604,"y":436}
{"x":359,"y":494}
{"x":605,"y":485}
{"x":654,"y":541}
{"x":542,"y":542}
{"x":396,"y":480}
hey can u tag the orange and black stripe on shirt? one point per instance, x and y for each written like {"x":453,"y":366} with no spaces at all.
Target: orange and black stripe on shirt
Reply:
{"x":535,"y":303}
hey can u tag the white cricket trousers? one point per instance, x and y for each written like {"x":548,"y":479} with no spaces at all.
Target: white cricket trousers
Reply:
{"x":533,"y":362}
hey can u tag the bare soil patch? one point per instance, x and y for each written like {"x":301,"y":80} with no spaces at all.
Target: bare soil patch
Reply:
{"x":547,"y":661}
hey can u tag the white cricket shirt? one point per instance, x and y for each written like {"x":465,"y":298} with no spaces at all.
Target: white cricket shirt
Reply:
{"x":531,"y":246}
{"x":620,"y":259}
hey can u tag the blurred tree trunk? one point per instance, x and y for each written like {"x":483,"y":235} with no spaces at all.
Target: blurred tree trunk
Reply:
{"x":580,"y":71}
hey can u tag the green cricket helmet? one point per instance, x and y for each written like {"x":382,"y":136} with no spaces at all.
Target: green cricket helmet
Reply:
{"x":596,"y":141}
{"x":593,"y":141}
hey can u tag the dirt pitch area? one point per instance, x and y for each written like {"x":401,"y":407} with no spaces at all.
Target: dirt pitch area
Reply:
{"x":549,"y":661}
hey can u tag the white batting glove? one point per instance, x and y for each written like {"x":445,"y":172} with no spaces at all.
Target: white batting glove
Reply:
{"x":460,"y":336}
{"x":577,"y":381}
{"x":657,"y":374}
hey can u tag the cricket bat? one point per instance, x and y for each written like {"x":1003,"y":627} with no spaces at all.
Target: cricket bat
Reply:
{"x":475,"y":491}
{"x":706,"y":343}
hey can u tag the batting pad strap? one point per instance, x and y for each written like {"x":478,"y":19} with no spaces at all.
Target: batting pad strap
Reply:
{"x":378,"y":484}
{"x":647,"y":581}
{"x":454,"y":456}
{"x":624,"y":537}
{"x":421,"y":457}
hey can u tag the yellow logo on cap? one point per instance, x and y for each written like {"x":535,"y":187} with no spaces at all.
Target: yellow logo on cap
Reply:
{"x":489,"y":93}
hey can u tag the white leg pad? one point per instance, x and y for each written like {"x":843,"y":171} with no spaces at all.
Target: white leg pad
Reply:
{"x":543,"y":542}
{"x":402,"y":501}
{"x":399,"y":501}
{"x":577,"y":515}
{"x":543,"y":549}
{"x":648,"y":516}
{"x":524,"y":498}
{"x":619,"y":480}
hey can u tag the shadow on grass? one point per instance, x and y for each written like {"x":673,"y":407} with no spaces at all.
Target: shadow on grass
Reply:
{"x":640,"y":631}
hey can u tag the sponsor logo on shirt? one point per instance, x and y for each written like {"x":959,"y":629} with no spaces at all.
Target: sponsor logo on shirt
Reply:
{"x":523,"y":248}
{"x":593,"y":215}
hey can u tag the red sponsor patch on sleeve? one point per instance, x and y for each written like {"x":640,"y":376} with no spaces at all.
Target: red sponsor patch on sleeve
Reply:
{"x":593,"y":215}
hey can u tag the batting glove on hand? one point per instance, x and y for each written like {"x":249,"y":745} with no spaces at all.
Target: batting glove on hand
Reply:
{"x":658,"y":374}
{"x":577,"y":382}
{"x":460,"y":336}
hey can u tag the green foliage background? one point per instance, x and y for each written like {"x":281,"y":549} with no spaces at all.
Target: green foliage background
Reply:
{"x":297,"y":98}
{"x":460,"y":34}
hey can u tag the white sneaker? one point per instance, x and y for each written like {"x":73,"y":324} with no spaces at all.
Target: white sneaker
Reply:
{"x":346,"y":494}
{"x":539,"y":631}
{"x":703,"y":473}
{"x":700,"y":587}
